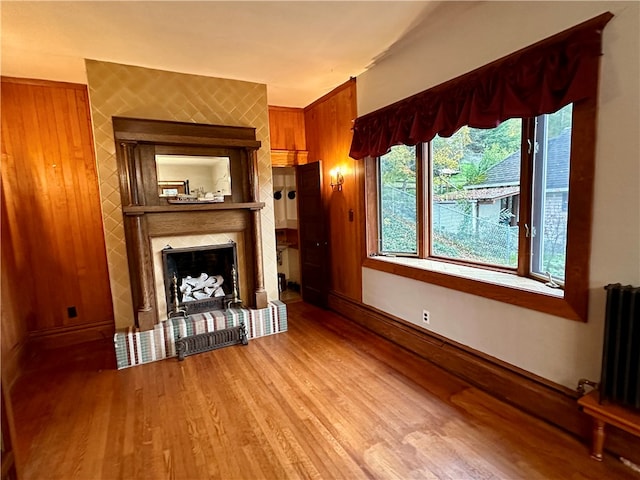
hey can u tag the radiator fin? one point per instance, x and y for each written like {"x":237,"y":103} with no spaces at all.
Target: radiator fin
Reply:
{"x":620,"y":382}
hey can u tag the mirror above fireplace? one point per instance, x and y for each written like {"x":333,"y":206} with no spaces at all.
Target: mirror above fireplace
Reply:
{"x":201,"y":176}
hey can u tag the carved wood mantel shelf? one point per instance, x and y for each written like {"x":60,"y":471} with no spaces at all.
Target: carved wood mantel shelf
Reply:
{"x":148,"y":215}
{"x":198,"y":207}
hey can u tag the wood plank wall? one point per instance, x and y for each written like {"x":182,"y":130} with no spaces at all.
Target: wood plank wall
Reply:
{"x":17,"y":300}
{"x":287,"y":128}
{"x":52,"y":235}
{"x":328,"y":123}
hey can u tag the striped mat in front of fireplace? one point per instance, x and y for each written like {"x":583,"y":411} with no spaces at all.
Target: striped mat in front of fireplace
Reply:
{"x":134,"y":347}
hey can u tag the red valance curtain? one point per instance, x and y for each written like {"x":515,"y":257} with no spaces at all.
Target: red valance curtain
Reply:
{"x":536,"y":80}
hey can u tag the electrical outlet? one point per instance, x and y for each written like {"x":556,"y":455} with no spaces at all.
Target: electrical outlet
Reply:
{"x":426,"y":316}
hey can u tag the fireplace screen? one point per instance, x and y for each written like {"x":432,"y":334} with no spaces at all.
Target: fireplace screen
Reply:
{"x":202,"y":277}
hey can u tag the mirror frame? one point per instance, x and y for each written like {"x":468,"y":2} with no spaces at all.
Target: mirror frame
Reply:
{"x":237,"y":164}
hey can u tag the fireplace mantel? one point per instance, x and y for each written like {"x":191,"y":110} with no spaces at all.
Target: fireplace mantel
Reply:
{"x":147,"y":215}
{"x":142,"y":209}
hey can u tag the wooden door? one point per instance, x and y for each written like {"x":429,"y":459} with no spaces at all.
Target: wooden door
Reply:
{"x":314,"y":248}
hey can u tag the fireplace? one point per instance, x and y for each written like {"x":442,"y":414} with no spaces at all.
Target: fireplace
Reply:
{"x":149,"y":214}
{"x":203,"y":278}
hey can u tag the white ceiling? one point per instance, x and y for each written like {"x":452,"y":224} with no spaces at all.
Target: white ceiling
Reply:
{"x":300,"y":50}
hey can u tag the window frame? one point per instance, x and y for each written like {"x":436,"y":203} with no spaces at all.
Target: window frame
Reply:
{"x":573,"y":304}
{"x":419,"y":210}
{"x":428,"y":254}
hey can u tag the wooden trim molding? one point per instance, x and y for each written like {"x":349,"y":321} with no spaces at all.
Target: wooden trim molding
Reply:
{"x":13,"y":364}
{"x":372,"y":235}
{"x":537,"y":396}
{"x":288,"y":158}
{"x":142,"y":209}
{"x":66,"y":336}
{"x":44,"y":83}
{"x":332,"y":93}
{"x":161,"y":139}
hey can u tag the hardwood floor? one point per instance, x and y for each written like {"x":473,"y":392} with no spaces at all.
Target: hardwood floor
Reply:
{"x":326,"y":400}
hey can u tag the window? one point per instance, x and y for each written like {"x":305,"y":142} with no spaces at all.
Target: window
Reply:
{"x":551,"y":165}
{"x":475,"y":175}
{"x":398,"y":204}
{"x":474,"y":197}
{"x":492,"y":205}
{"x":503,"y":209}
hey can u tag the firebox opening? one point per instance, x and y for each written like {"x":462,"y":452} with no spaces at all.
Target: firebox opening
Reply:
{"x":205,"y":276}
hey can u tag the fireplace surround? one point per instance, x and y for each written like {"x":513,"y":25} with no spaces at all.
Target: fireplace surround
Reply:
{"x":148,"y":215}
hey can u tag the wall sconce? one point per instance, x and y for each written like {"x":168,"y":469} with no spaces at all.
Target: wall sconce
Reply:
{"x":336,"y":179}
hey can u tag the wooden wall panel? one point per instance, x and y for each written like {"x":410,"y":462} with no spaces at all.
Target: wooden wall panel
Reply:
{"x":16,"y":301}
{"x":287,"y":128}
{"x":328,"y":123}
{"x":53,"y":214}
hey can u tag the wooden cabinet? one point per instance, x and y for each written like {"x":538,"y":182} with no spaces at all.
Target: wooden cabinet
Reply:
{"x":287,"y":237}
{"x":288,"y":138}
{"x":286,"y":128}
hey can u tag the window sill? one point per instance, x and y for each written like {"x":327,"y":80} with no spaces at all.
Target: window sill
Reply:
{"x":500,"y":286}
{"x":478,"y":274}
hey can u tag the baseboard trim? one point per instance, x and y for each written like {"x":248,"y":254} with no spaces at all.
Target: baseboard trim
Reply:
{"x":539,"y":397}
{"x":66,"y":336}
{"x":12,"y":365}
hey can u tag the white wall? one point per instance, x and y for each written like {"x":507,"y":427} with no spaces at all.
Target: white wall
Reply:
{"x":457,"y":38}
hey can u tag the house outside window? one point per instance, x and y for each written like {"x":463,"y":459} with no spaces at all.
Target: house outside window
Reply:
{"x":474,"y":206}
